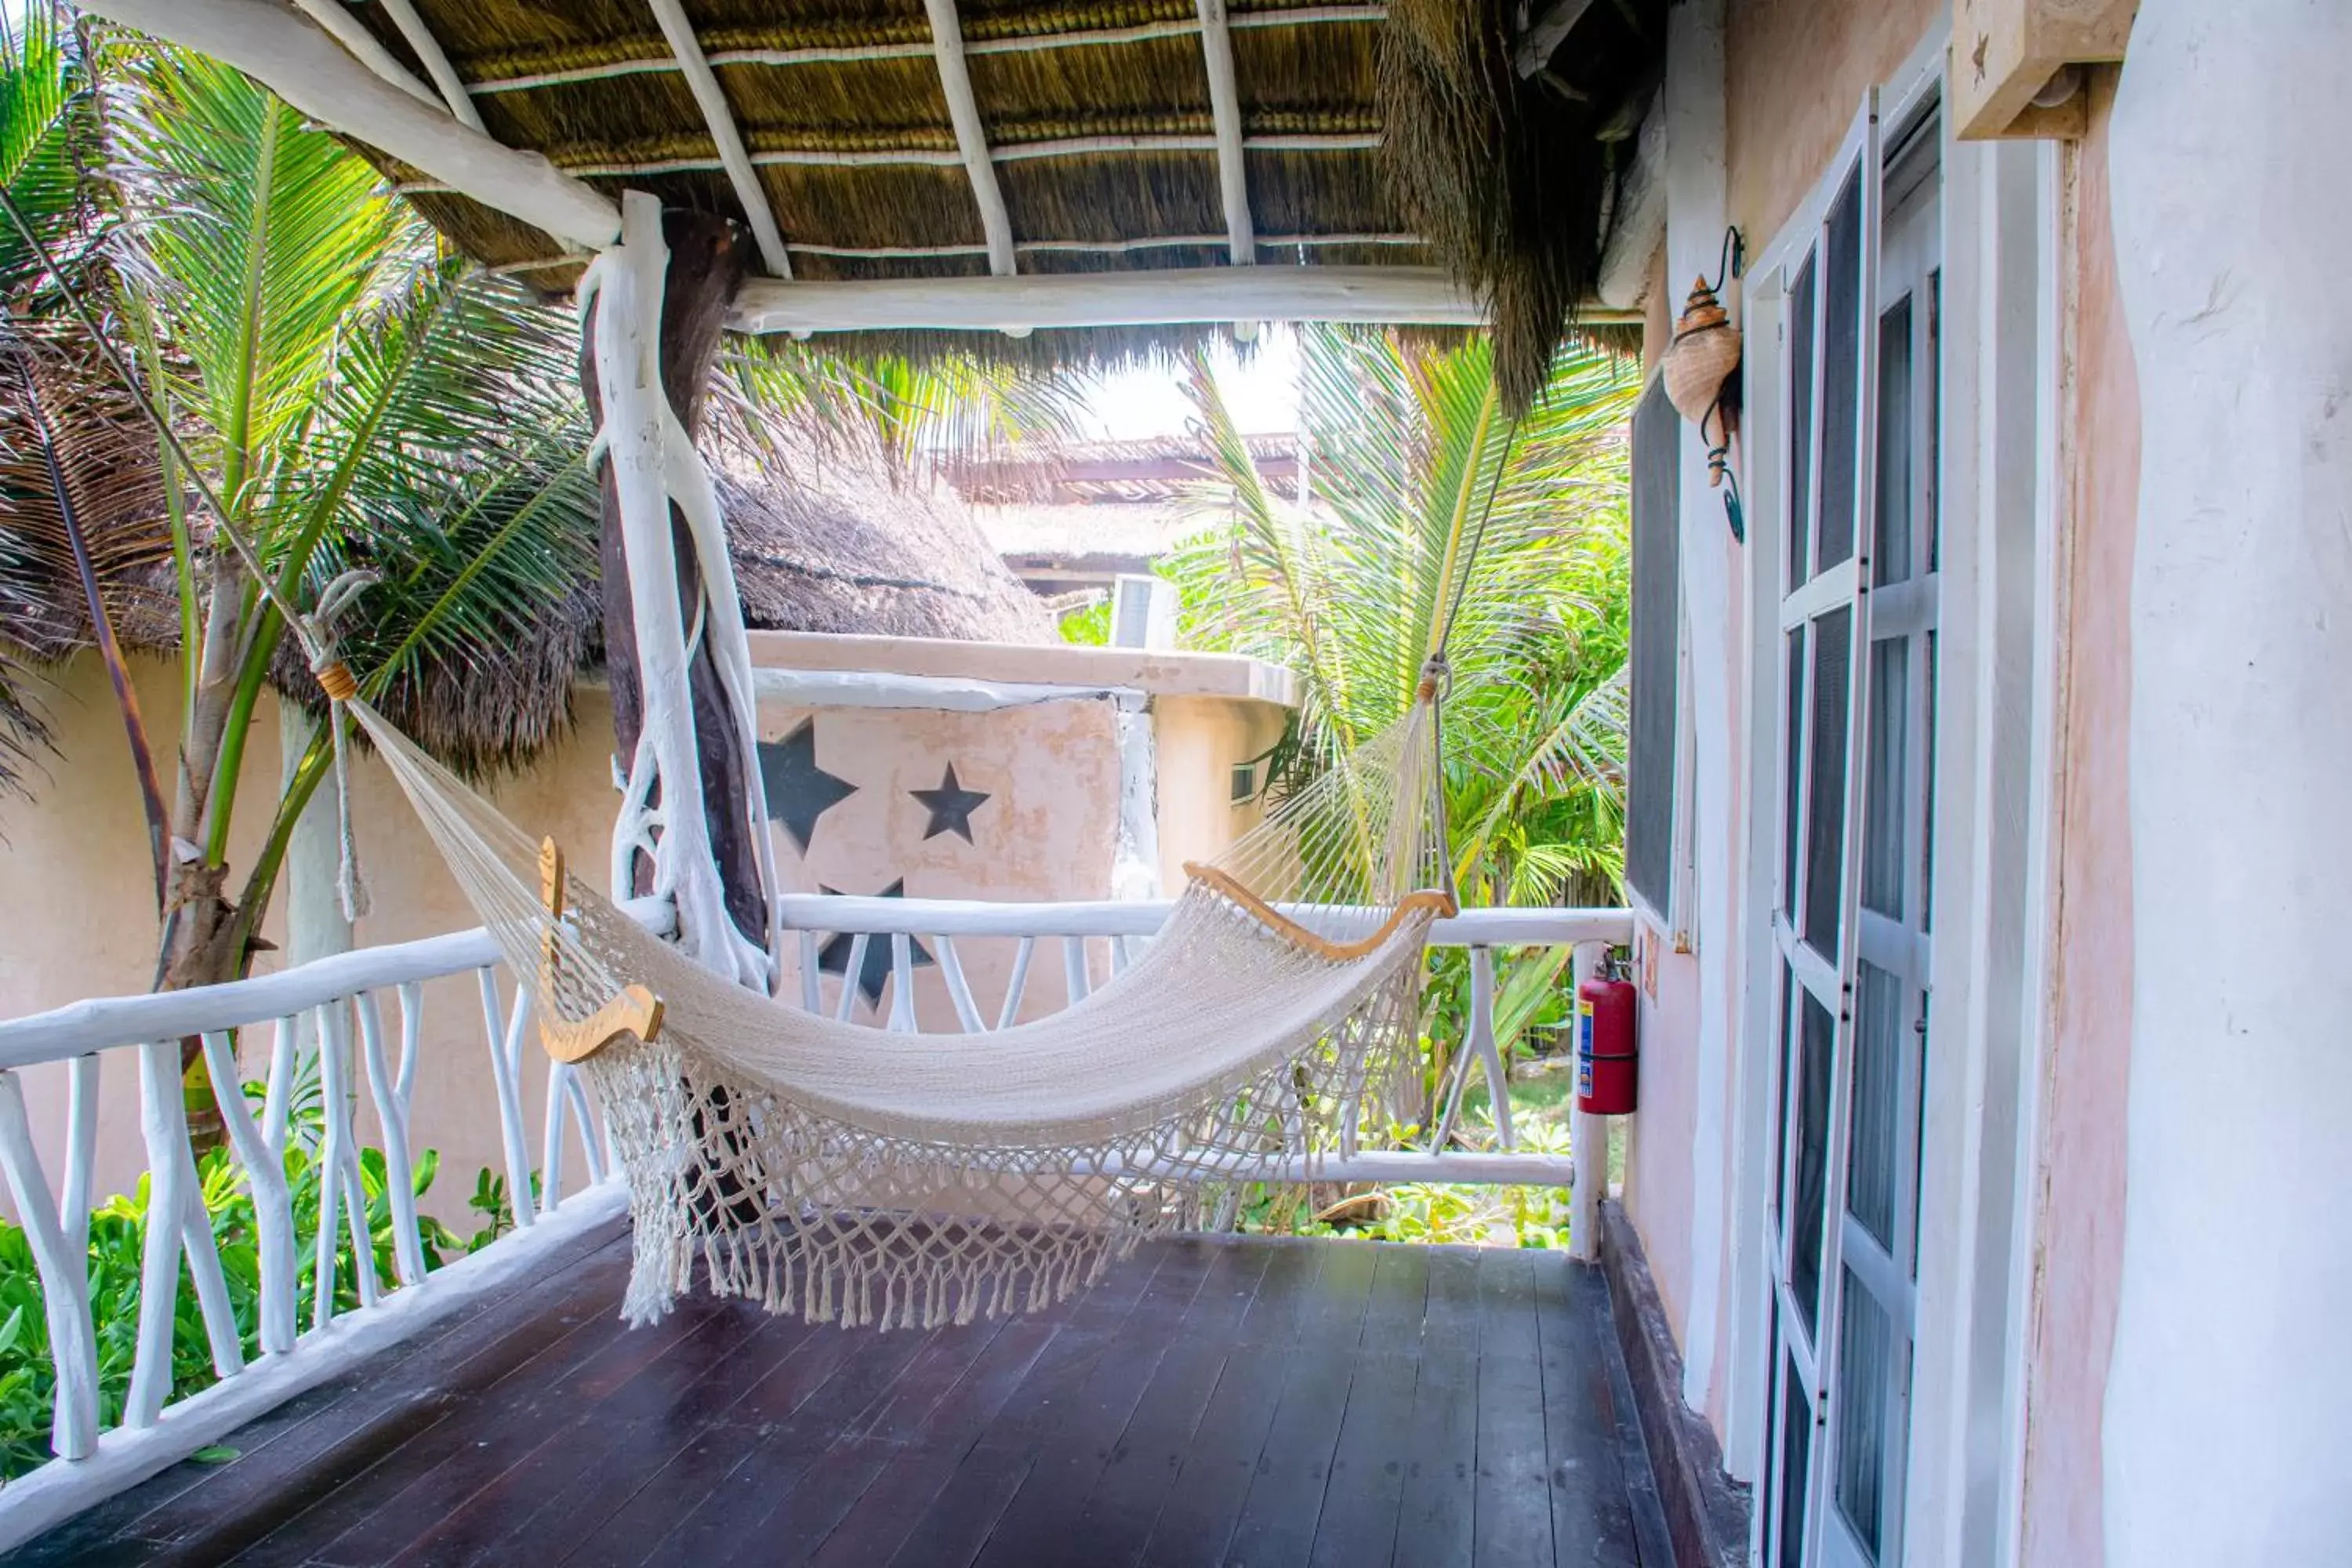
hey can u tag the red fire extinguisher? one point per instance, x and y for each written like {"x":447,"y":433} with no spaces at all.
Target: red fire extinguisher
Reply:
{"x":1605,"y":1054}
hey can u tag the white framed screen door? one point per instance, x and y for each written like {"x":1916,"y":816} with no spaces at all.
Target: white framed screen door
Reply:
{"x":1859,"y":414}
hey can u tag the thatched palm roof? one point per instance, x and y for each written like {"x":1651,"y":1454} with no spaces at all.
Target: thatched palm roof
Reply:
{"x":828,"y":544}
{"x":1410,"y":132}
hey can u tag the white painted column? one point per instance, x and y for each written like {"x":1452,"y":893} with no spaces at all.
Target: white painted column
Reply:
{"x":655,"y":464}
{"x":1693,"y":105}
{"x":2229,"y":1405}
{"x":315,"y":923}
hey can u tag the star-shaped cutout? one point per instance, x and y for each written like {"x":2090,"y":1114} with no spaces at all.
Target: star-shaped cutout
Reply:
{"x":951,"y":807}
{"x":833,"y":958}
{"x":798,"y":791}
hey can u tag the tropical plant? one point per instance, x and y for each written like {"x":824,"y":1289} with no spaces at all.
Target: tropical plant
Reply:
{"x":1442,"y":525}
{"x":284,"y":340}
{"x":117,"y":1230}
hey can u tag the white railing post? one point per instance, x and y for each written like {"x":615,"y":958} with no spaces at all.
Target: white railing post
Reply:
{"x":82,"y":1151}
{"x":502,"y":1079}
{"x":273,"y":1209}
{"x":392,"y":1114}
{"x":1588,"y":1135}
{"x":64,"y":1281}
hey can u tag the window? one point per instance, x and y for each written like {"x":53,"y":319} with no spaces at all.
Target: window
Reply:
{"x":1651,"y":747}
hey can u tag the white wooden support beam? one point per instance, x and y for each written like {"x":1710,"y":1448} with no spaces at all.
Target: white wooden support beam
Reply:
{"x":1588,"y":1136}
{"x":337,"y":18}
{"x":299,"y":60}
{"x":1546,"y":33}
{"x":1225,"y":110}
{"x":971,"y":138}
{"x":1159,"y":297}
{"x":435,"y":62}
{"x":720,"y":116}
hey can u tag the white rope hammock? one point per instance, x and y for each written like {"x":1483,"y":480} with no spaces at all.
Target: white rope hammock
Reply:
{"x":848,"y":1173}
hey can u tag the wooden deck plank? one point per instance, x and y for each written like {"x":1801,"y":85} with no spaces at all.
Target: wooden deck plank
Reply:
{"x":1440,"y":1449}
{"x":1209,"y":1486}
{"x":1033,"y":1528}
{"x":1512,"y":1508}
{"x":1118,"y":1513}
{"x":1271,"y":1402}
{"x":1284,"y":1500}
{"x":1358,"y":1526}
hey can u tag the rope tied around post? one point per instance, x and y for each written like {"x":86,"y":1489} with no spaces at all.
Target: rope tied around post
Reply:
{"x":316,"y":631}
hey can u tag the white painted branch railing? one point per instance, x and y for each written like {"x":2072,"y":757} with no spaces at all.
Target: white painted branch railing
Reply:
{"x":359,"y":1017}
{"x":364,"y":1011}
{"x":818,"y":923}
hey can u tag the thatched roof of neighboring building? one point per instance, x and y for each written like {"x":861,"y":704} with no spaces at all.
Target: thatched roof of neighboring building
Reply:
{"x":827,"y":544}
{"x":1154,"y":468}
{"x":847,"y":549}
{"x":1414,"y":131}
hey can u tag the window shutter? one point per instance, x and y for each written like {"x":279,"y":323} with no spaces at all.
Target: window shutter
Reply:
{"x":1656,"y":641}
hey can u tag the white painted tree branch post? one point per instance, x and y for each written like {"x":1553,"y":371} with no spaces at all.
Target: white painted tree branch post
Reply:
{"x":1482,"y":1040}
{"x":365,"y":48}
{"x":502,"y":1079}
{"x":2229,"y":1393}
{"x":81,"y":1151}
{"x":654,"y":463}
{"x":1588,"y":1135}
{"x":273,"y":1213}
{"x":65,"y":1280}
{"x":392,"y":1114}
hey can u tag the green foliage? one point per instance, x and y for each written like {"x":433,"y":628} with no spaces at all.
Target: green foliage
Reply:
{"x":1439,"y":522}
{"x":117,"y":1238}
{"x":1089,"y":628}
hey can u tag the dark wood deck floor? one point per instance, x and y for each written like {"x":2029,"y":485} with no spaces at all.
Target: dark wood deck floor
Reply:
{"x":1214,"y":1402}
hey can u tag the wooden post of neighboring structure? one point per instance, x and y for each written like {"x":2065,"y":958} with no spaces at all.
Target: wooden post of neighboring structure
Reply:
{"x":692,"y":825}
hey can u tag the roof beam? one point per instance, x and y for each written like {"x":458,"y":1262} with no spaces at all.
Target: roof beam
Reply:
{"x":971,"y":137}
{"x":365,"y":48}
{"x":721,"y":117}
{"x":435,"y":62}
{"x":1225,"y":110}
{"x":1146,"y":297}
{"x":297,"y":59}
{"x":1546,"y":33}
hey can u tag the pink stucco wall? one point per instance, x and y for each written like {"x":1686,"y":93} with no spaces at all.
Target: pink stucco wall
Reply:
{"x":2078,"y":1241}
{"x":78,"y":919}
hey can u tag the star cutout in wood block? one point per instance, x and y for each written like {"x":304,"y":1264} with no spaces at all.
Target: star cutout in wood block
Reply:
{"x":798,"y":791}
{"x":833,"y":958}
{"x":951,"y":807}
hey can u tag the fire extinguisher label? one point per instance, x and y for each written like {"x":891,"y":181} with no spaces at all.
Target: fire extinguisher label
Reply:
{"x":1584,"y":1044}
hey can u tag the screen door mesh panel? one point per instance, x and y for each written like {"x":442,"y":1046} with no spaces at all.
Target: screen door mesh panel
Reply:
{"x":1650,"y":760}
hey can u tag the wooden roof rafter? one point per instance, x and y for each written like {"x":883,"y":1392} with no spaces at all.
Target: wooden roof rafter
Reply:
{"x":1226,"y":109}
{"x":435,"y":60}
{"x":971,"y":137}
{"x":733,"y":157}
{"x":858,"y":54}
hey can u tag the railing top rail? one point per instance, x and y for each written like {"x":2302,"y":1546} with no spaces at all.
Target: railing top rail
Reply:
{"x":1143,"y":916}
{"x":99,"y":1022}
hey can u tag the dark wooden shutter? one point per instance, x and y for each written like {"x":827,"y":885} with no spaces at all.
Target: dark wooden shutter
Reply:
{"x":1656,"y":642}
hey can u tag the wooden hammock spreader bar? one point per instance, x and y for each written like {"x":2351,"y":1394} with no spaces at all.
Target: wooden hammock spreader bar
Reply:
{"x":635,"y":1011}
{"x":1283,"y":925}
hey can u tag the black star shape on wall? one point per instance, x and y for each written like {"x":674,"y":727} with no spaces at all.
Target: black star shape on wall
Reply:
{"x":798,"y":791}
{"x":951,"y":807}
{"x":833,"y":958}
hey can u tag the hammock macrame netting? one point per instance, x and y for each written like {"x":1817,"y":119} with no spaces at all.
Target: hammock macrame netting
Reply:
{"x":846,"y":1172}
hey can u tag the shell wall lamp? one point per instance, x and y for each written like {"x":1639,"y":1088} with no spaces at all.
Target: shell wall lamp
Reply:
{"x":1700,"y":368}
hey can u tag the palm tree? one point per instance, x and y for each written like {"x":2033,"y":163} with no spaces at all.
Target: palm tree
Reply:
{"x":1440,"y":524}
{"x":279,"y":336}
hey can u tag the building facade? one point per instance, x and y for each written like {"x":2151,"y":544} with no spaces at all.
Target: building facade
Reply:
{"x":1986,"y":1155}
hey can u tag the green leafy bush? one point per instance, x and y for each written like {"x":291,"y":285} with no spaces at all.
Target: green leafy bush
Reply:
{"x":116,"y":1237}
